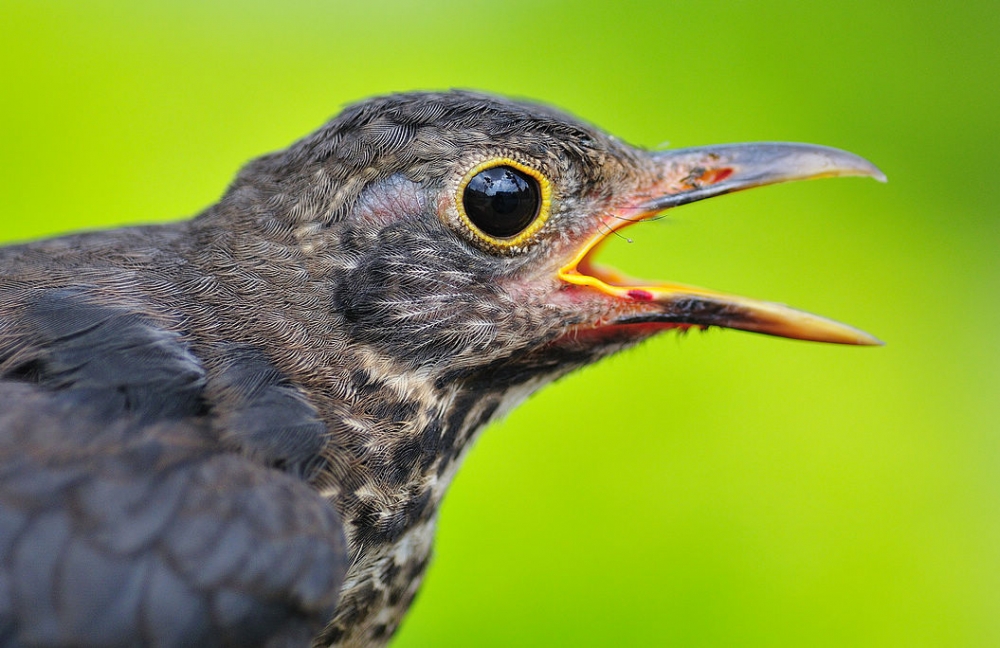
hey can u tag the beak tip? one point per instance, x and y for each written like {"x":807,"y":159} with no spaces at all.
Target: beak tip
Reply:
{"x":857,"y":165}
{"x":878,"y":174}
{"x":857,"y":337}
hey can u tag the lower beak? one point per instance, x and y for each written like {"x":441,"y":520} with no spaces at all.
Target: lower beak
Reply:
{"x":687,"y":175}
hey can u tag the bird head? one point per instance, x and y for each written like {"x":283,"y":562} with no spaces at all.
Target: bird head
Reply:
{"x":457,"y":230}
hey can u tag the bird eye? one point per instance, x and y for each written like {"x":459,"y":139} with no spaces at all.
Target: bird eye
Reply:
{"x":503,"y":203}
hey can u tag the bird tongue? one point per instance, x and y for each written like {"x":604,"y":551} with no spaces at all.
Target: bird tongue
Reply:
{"x":687,"y":175}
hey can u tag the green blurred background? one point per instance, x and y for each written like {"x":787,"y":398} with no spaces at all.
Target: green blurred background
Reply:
{"x":716,"y":489}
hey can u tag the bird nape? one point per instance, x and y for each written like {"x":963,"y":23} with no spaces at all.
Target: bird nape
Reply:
{"x":237,"y":430}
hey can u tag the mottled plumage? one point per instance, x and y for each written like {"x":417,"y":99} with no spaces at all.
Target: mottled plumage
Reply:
{"x":237,"y":430}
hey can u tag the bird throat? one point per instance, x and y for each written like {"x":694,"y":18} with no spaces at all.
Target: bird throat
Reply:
{"x":390,"y":465}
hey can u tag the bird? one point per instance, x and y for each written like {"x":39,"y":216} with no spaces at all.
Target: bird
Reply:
{"x":237,"y":429}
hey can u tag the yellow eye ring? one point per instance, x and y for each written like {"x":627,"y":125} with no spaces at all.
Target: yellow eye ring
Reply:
{"x":517,"y":198}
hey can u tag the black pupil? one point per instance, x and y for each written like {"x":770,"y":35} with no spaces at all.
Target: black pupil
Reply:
{"x":501,"y":201}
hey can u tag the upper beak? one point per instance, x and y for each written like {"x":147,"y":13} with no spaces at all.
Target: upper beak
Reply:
{"x":686,"y":175}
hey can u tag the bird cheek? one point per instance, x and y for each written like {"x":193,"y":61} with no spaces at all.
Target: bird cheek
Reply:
{"x":390,"y":200}
{"x":446,"y":207}
{"x":585,"y":305}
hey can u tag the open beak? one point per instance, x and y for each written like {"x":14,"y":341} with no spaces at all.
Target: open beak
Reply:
{"x":686,"y":175}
